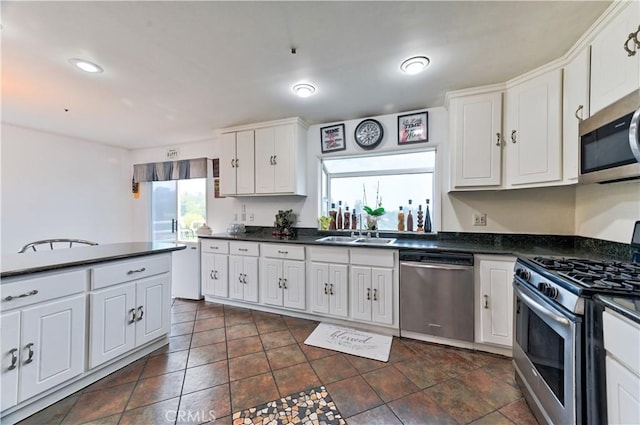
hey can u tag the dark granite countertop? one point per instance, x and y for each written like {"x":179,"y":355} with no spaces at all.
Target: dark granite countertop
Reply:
{"x":628,"y":307}
{"x":34,"y":262}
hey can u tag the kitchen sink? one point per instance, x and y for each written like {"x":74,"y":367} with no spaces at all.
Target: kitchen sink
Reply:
{"x":341,"y":239}
{"x":374,"y":241}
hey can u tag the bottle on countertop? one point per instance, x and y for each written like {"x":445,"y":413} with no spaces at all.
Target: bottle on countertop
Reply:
{"x":420,"y":229}
{"x":354,"y":220}
{"x":347,"y":218}
{"x":428,"y":227}
{"x":409,"y":219}
{"x":400,"y":220}
{"x":339,"y":217}
{"x":332,"y":214}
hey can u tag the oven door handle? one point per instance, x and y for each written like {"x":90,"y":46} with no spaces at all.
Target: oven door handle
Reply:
{"x":533,"y":304}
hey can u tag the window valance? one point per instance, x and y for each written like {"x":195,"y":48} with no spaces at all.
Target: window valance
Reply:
{"x":170,"y":170}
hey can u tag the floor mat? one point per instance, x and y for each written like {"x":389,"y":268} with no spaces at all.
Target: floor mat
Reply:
{"x":351,"y":341}
{"x":309,"y":407}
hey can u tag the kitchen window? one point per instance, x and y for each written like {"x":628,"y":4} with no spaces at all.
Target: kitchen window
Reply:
{"x":395,"y":178}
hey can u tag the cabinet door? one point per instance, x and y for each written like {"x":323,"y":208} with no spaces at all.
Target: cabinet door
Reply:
{"x":284,"y":162}
{"x":251,"y":274}
{"x":111,"y":323}
{"x":53,"y":335}
{"x":214,"y":275}
{"x":10,"y":352}
{"x":360,"y":292}
{"x":614,"y":74}
{"x":575,"y":104}
{"x":477,"y":135}
{"x":496,"y":302}
{"x":338,"y":290}
{"x":294,"y":284}
{"x":245,"y":163}
{"x":319,"y":285}
{"x":382,"y":295}
{"x":265,"y":167}
{"x":153,"y":303}
{"x":227,"y":164}
{"x":533,"y":130}
{"x":623,"y":394}
{"x":236,"y":275}
{"x":271,"y":281}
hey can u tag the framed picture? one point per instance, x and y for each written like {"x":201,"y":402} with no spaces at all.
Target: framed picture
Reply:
{"x":413,"y":128}
{"x":332,"y":138}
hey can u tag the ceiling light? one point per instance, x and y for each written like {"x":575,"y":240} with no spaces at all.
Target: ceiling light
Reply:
{"x":86,"y":65}
{"x":304,"y":90}
{"x":415,"y":64}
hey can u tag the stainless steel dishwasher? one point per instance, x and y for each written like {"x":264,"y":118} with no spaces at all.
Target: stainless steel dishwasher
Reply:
{"x":436,"y":294}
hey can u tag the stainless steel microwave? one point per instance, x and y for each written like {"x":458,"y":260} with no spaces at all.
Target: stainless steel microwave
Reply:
{"x":609,"y":145}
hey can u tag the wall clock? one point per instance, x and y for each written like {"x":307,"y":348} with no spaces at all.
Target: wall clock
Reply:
{"x":369,"y":134}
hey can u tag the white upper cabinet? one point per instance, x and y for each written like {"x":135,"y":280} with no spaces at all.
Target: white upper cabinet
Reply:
{"x":533,"y":130}
{"x":575,"y":108}
{"x":237,"y":156}
{"x":614,"y":73}
{"x":476,"y":127}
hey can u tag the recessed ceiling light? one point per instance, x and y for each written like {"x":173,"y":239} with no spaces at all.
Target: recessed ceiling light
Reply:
{"x":415,"y":64}
{"x":303,"y":89}
{"x":86,"y":65}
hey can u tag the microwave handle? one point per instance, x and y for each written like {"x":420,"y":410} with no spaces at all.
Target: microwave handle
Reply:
{"x":634,"y":140}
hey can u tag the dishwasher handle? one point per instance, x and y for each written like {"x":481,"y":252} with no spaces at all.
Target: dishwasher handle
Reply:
{"x":434,"y":266}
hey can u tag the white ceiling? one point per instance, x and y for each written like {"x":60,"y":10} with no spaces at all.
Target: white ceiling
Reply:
{"x":176,"y":71}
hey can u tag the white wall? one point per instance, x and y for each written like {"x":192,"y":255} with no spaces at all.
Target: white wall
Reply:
{"x":56,"y":186}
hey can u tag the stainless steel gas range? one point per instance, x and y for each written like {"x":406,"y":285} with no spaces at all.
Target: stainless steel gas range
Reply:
{"x":558,"y":350}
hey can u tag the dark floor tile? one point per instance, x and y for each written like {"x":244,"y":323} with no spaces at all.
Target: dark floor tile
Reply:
{"x":519,"y":413}
{"x":389,"y":383}
{"x":364,"y":365}
{"x":494,"y":391}
{"x":478,"y":358}
{"x":155,"y":389}
{"x":459,"y":401}
{"x":450,"y":362}
{"x":313,"y":353}
{"x":205,"y":405}
{"x":238,"y":319}
{"x":421,"y":372}
{"x":187,"y":316}
{"x":295,"y":321}
{"x":249,"y":365}
{"x":208,"y":337}
{"x":503,"y":370}
{"x":109,"y":420}
{"x":99,"y":404}
{"x":380,"y":415}
{"x":206,"y":376}
{"x":301,"y":333}
{"x":264,"y":315}
{"x":243,"y":346}
{"x":277,"y":339}
{"x":253,"y":391}
{"x":208,"y":324}
{"x":296,"y":378}
{"x":181,"y":328}
{"x":209,"y":312}
{"x":494,"y":418}
{"x":182,"y":308}
{"x":164,"y":363}
{"x":401,"y":352}
{"x":419,"y":409}
{"x":53,"y":414}
{"x":129,"y":373}
{"x":241,"y":331}
{"x":207,"y":354}
{"x":176,"y":343}
{"x":333,"y":368}
{"x":230,"y":309}
{"x":160,"y":413}
{"x":282,"y":357}
{"x":353,"y":396}
{"x":270,"y":325}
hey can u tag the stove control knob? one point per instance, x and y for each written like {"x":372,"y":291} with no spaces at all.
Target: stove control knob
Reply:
{"x":552,"y":292}
{"x":523,"y":274}
{"x":542,"y":287}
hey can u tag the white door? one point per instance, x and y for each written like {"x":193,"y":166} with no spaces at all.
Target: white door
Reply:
{"x":338,"y":290}
{"x":533,"y":130}
{"x":236,"y":275}
{"x":319,"y":285}
{"x":53,"y":344}
{"x":575,"y":107}
{"x":271,"y":281}
{"x":245,"y":163}
{"x":215,"y":275}
{"x":496,"y":302}
{"x":251,"y":275}
{"x":360,"y":292}
{"x":623,"y":394}
{"x":153,"y":307}
{"x":208,"y":273}
{"x":264,"y":160}
{"x":478,"y":140}
{"x":112,"y":323}
{"x":10,"y":360}
{"x":228,"y":164}
{"x":284,"y":159}
{"x":294,"y":284}
{"x":382,"y":295}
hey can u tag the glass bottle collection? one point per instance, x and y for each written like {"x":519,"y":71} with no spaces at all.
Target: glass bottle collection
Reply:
{"x":346,"y":220}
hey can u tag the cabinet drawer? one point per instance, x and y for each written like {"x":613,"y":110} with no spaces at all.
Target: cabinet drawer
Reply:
{"x":42,"y":289}
{"x":214,"y":246}
{"x":328,"y":254}
{"x":244,"y":248}
{"x":124,"y":271}
{"x":373,"y":257}
{"x":289,"y":252}
{"x":622,"y":340}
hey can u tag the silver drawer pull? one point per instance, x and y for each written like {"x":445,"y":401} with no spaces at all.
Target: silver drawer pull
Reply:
{"x":132,"y":312}
{"x":368,"y":294}
{"x":283,"y":252}
{"x":141,"y":311}
{"x":486,"y":301}
{"x":31,"y":353}
{"x":137,"y":271}
{"x":375,"y":295}
{"x":331,"y":289}
{"x":14,"y":358}
{"x":325,"y":288}
{"x":26,"y":294}
{"x":243,"y":249}
{"x":213,"y":247}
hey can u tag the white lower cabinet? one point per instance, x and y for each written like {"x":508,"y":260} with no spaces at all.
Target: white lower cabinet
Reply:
{"x":494,"y":300}
{"x":215,"y":275}
{"x":329,"y":288}
{"x":10,"y":343}
{"x":282,"y":283}
{"x":371,"y":294}
{"x":243,"y":278}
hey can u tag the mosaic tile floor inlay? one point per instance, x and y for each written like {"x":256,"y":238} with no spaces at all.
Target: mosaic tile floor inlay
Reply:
{"x":313,"y":407}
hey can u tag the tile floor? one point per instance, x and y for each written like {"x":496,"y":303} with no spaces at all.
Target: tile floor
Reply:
{"x":223,"y":359}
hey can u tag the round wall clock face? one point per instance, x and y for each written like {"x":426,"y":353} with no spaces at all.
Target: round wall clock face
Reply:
{"x":369,"y":134}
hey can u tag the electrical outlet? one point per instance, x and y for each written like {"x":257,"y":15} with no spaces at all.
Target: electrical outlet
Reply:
{"x":479,"y":219}
{"x":251,"y":217}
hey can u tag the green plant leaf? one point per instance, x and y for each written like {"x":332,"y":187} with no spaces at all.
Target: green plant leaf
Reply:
{"x":378,"y":211}
{"x":368,"y":210}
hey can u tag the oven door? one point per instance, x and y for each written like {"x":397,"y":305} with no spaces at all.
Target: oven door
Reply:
{"x":546,"y":356}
